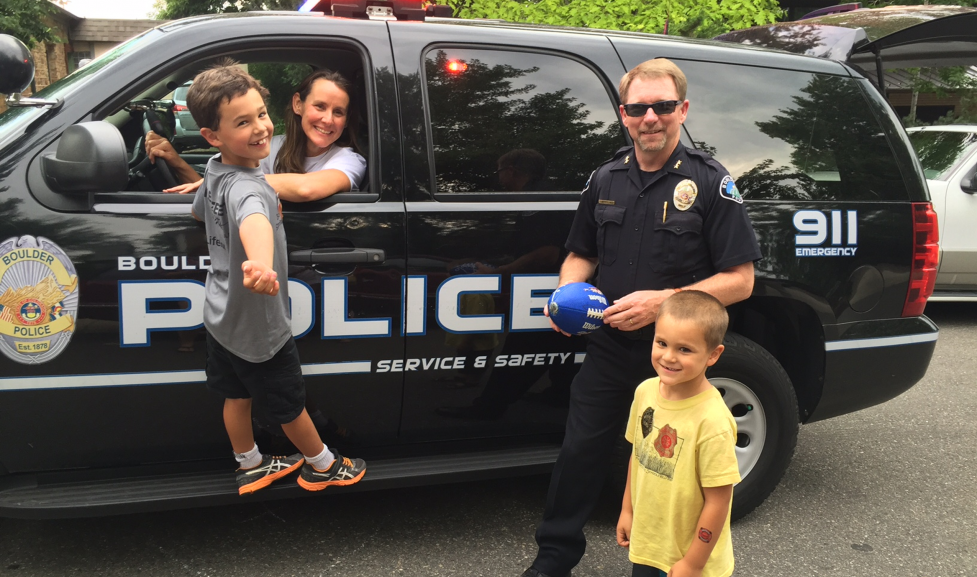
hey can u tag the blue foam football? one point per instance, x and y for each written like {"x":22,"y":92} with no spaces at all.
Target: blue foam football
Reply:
{"x":577,"y":308}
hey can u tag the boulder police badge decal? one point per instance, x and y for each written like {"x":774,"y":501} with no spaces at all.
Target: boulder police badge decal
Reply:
{"x":38,"y":299}
{"x":685,"y":193}
{"x":728,"y":190}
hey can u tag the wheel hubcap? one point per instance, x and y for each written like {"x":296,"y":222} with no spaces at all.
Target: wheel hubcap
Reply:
{"x":751,"y":422}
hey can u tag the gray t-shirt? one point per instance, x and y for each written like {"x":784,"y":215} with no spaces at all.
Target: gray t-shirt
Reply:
{"x":337,"y":157}
{"x":252,"y":326}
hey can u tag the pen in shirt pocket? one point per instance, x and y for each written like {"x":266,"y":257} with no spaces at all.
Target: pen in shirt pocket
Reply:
{"x":664,"y":211}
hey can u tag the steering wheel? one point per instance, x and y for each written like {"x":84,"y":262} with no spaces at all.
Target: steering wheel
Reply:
{"x":164,"y":169}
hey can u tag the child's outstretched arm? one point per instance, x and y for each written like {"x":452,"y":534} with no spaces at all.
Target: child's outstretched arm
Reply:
{"x":711,"y":522}
{"x":258,"y":239}
{"x":627,"y":513}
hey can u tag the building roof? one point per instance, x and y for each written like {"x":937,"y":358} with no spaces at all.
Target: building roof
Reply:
{"x":109,"y":30}
{"x":902,"y":79}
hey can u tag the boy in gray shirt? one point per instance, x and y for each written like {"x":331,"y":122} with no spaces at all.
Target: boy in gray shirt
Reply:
{"x":252,"y":360}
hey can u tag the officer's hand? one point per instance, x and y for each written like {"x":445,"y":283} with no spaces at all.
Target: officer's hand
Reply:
{"x":636,"y":310}
{"x":259,"y":278}
{"x":546,"y":311}
{"x":158,"y":147}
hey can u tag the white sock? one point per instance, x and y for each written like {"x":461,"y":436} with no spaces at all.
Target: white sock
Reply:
{"x":249,"y":460}
{"x":321,"y":461}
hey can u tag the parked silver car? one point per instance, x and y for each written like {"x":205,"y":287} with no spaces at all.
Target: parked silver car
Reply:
{"x":185,"y":132}
{"x":949,"y":158}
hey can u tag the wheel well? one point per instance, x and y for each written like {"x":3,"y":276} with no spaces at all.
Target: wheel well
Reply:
{"x":792,"y":333}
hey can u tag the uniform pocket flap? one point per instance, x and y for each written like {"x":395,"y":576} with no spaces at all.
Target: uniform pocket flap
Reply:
{"x":605,"y":213}
{"x":681,"y":223}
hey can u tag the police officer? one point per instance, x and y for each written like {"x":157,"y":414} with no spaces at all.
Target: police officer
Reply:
{"x":656,"y":218}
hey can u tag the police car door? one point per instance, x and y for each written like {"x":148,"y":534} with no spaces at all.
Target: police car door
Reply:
{"x":492,"y":187}
{"x":109,"y":283}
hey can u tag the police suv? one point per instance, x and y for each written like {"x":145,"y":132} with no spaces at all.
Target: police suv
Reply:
{"x":417,"y":301}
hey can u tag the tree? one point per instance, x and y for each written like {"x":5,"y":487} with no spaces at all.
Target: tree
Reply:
{"x":944,"y":82}
{"x":554,"y":124}
{"x":694,"y":18}
{"x":173,"y":9}
{"x":822,"y":136}
{"x":25,"y":20}
{"x":951,"y":80}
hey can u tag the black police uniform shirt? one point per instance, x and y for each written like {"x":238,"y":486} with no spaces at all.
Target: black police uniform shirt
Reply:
{"x":661,"y":230}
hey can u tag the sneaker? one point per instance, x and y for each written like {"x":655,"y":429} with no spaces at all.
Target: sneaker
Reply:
{"x":270,"y":469}
{"x":533,"y":572}
{"x":343,"y":471}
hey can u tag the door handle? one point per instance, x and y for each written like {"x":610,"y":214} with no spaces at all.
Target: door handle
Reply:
{"x":341,"y":255}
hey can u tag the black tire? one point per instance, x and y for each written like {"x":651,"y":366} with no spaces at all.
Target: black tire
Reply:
{"x":747,"y":376}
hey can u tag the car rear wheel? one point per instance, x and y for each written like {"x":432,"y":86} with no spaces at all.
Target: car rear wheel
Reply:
{"x":759,"y":393}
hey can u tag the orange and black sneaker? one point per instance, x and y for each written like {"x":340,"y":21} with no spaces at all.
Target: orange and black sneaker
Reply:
{"x":270,"y":469}
{"x":343,"y":471}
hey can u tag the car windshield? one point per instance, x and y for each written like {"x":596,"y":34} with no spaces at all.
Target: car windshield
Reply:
{"x":941,"y":152}
{"x":13,"y":120}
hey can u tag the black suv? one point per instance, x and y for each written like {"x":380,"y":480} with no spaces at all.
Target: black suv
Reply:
{"x":417,"y":302}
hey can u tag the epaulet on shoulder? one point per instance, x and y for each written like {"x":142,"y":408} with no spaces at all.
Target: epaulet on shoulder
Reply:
{"x":705,"y":158}
{"x":620,"y":152}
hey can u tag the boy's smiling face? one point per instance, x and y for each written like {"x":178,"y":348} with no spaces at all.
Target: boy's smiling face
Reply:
{"x":245,"y":130}
{"x":680,"y":355}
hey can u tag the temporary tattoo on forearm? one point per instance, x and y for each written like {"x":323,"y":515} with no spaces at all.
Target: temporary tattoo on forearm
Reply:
{"x":705,"y":535}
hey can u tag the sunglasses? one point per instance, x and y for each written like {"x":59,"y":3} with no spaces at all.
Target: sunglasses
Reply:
{"x":660,"y":108}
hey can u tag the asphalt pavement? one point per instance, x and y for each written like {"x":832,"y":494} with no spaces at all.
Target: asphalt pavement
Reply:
{"x":886,"y":491}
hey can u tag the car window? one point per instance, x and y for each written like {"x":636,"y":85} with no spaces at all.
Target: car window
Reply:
{"x":180,"y":94}
{"x":279,"y":70}
{"x":814,"y":137}
{"x":941,"y":152}
{"x":517,"y":121}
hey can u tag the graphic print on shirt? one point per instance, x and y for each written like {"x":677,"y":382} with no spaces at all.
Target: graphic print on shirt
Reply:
{"x":659,"y":448}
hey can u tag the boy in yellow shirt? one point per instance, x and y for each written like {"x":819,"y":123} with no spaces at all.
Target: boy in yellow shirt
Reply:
{"x":675,"y":514}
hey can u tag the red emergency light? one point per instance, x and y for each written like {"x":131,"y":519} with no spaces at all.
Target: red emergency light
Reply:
{"x":456,"y":66}
{"x":385,"y":9}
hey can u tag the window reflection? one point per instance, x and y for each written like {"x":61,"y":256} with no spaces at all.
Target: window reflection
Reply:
{"x":941,"y":152}
{"x":499,"y":117}
{"x":791,"y":135}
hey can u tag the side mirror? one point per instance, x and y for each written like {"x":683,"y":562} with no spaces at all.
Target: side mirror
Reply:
{"x":16,"y":65}
{"x":91,"y":157}
{"x":967,"y":183}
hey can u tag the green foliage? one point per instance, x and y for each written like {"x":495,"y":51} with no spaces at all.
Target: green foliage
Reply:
{"x":953,"y":81}
{"x":24,"y":20}
{"x":281,"y":80}
{"x":693,"y":18}
{"x":173,"y":9}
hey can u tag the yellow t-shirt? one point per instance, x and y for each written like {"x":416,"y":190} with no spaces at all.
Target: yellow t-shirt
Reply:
{"x":679,"y":447}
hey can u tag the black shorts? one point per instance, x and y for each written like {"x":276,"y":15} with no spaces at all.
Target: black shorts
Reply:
{"x":275,"y":386}
{"x":646,"y":571}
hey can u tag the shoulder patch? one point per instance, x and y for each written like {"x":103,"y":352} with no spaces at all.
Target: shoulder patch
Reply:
{"x":728,"y":190}
{"x":589,"y":178}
